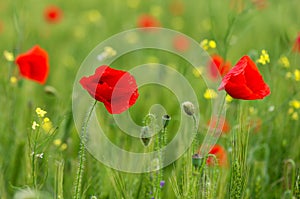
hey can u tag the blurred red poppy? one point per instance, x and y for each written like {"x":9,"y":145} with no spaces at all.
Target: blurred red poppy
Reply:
{"x":225,"y":128}
{"x":297,"y":44}
{"x":260,"y":4}
{"x":34,"y":64}
{"x":220,"y":154}
{"x":116,"y":89}
{"x":147,"y":21}
{"x":244,"y":81}
{"x":255,"y":125}
{"x":218,"y":65}
{"x":53,"y":14}
{"x":181,"y":43}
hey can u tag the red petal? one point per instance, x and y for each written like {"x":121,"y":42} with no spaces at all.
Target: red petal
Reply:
{"x":117,"y":89}
{"x":34,"y":64}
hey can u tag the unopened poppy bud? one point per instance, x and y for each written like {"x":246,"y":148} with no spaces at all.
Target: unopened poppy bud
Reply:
{"x":188,"y":108}
{"x":197,"y":160}
{"x":50,"y":90}
{"x":145,"y":135}
{"x":166,"y":119}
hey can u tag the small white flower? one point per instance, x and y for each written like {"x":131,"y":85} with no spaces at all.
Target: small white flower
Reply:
{"x":34,"y":125}
{"x":40,"y":155}
{"x":271,"y":108}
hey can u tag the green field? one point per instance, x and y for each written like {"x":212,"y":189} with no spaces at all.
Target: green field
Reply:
{"x":42,"y":156}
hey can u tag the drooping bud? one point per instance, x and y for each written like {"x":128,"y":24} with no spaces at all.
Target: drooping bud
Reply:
{"x":166,"y":119}
{"x":197,"y":160}
{"x":50,"y":90}
{"x":145,"y":135}
{"x":188,"y":108}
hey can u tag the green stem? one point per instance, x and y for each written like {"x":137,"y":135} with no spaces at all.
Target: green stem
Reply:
{"x":82,"y":155}
{"x":33,"y":160}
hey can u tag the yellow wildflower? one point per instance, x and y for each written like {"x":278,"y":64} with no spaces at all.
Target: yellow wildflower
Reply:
{"x":13,"y":80}
{"x":212,"y":44}
{"x":197,"y":72}
{"x":40,"y":112}
{"x":63,"y":147}
{"x":210,"y":94}
{"x":204,"y":44}
{"x":228,"y":98}
{"x":156,"y":11}
{"x":47,"y":124}
{"x":264,"y":58}
{"x":252,"y":110}
{"x":207,"y":44}
{"x":109,"y":51}
{"x":295,"y":116}
{"x":297,"y":75}
{"x":290,"y":111}
{"x":8,"y":56}
{"x":57,"y":142}
{"x":34,"y":125}
{"x":94,"y":16}
{"x":295,"y":104}
{"x":288,"y":75}
{"x":131,"y":37}
{"x":133,"y":3}
{"x":284,"y":61}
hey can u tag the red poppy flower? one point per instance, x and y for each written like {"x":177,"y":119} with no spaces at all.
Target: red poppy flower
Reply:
{"x":213,"y":122}
{"x":255,"y":124}
{"x":181,"y":43}
{"x":116,"y":89}
{"x":147,"y":21}
{"x":34,"y":64}
{"x":218,"y":65}
{"x":244,"y":81}
{"x":52,"y":14}
{"x":220,"y":154}
{"x":260,"y":4}
{"x":297,"y":44}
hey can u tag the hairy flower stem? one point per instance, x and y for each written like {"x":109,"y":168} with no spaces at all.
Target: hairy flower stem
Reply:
{"x":80,"y":169}
{"x":33,"y":159}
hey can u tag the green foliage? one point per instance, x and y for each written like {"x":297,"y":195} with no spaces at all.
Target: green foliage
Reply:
{"x":263,"y":143}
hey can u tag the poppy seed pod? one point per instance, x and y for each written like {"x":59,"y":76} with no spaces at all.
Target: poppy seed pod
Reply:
{"x":188,"y":108}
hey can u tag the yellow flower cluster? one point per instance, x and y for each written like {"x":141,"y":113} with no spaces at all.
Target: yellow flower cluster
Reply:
{"x":45,"y":122}
{"x":228,"y":98}
{"x":62,"y":146}
{"x":8,"y":56}
{"x":284,"y":61}
{"x":40,"y":112}
{"x":210,"y":94}
{"x":264,"y":58}
{"x":295,"y":75}
{"x":294,"y":106}
{"x":207,"y":44}
{"x":197,"y":72}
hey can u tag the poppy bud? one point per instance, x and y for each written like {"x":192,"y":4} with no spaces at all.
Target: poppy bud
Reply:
{"x":166,"y":119}
{"x":145,"y":135}
{"x":197,"y":160}
{"x":188,"y":108}
{"x":50,"y":90}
